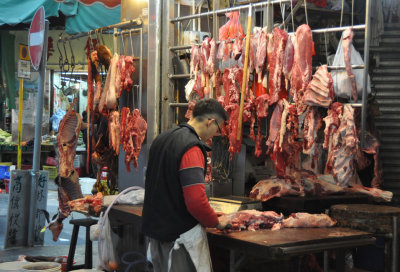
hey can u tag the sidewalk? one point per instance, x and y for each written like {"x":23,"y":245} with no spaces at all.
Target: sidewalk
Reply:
{"x":50,"y":248}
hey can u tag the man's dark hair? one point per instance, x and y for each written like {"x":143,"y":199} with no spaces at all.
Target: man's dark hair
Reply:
{"x":209,"y":107}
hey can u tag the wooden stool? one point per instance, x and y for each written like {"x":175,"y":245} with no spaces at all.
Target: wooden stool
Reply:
{"x":85,"y":222}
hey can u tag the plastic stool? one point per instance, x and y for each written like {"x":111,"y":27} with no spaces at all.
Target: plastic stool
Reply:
{"x":86,"y":222}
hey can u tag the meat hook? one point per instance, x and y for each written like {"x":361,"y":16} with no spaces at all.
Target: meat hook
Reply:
{"x":66,"y":63}
{"x":130,"y":38}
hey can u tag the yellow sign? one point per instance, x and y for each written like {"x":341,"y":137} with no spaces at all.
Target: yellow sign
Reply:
{"x":24,"y":52}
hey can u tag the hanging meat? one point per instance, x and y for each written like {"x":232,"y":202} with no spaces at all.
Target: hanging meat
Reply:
{"x":194,"y":60}
{"x":129,"y":69}
{"x":276,"y":88}
{"x":111,"y":91}
{"x":261,"y":104}
{"x":132,"y":135}
{"x":114,"y":131}
{"x":261,"y":42}
{"x":332,"y":122}
{"x":312,"y":124}
{"x":320,"y":91}
{"x":104,"y":54}
{"x":288,"y":60}
{"x":347,"y":45}
{"x":67,"y":140}
{"x":204,"y":56}
{"x":302,"y":66}
{"x":233,"y":113}
{"x":343,"y":149}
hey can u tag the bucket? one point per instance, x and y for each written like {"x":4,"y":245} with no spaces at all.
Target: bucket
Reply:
{"x":42,"y":266}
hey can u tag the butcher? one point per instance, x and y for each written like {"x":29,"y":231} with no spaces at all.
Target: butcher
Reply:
{"x":176,"y":209}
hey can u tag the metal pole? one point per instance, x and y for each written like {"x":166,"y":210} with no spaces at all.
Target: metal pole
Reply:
{"x":141,"y":71}
{"x":38,"y":138}
{"x":394,"y":244}
{"x":20,"y":109}
{"x":336,"y":29}
{"x":366,"y":63}
{"x":104,"y":29}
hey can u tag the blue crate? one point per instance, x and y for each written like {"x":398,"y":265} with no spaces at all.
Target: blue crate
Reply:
{"x":3,"y":171}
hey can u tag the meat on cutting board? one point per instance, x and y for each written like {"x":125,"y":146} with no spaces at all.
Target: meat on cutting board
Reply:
{"x":276,"y":90}
{"x":267,"y":189}
{"x":307,"y":220}
{"x":347,"y":45}
{"x":377,"y":194}
{"x":302,"y":66}
{"x":320,"y":91}
{"x":254,"y":220}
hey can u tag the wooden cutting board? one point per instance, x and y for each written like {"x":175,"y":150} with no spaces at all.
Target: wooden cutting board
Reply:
{"x":372,"y":218}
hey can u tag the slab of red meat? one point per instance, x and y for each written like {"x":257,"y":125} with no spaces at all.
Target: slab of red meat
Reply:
{"x":320,"y":91}
{"x":261,"y":53}
{"x":249,"y":116}
{"x":377,"y":194}
{"x":276,"y":90}
{"x":315,"y":185}
{"x":254,"y":220}
{"x":307,"y":220}
{"x":275,"y":125}
{"x":212,"y":59}
{"x":129,"y":70}
{"x":312,"y":124}
{"x":270,"y":49}
{"x":114,"y":131}
{"x":344,"y":148}
{"x":231,"y":80}
{"x":204,"y":55}
{"x":302,"y":66}
{"x":221,"y":50}
{"x":67,"y":140}
{"x":133,"y":136}
{"x":234,"y":144}
{"x":267,"y":189}
{"x":288,"y":61}
{"x":332,"y":122}
{"x":218,"y":83}
{"x":194,"y":59}
{"x":347,"y":45}
{"x":237,"y":48}
{"x":189,"y":111}
{"x":261,"y":104}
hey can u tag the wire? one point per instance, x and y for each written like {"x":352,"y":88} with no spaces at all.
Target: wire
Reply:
{"x":305,"y":10}
{"x":326,"y":48}
{"x":341,"y":14}
{"x":352,"y":12}
{"x":282,"y":14}
{"x":291,"y":11}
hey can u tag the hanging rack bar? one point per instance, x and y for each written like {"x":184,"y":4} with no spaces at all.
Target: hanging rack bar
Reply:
{"x":171,"y":76}
{"x":337,"y":29}
{"x":209,"y":13}
{"x":123,"y":32}
{"x":135,"y":22}
{"x":141,"y":70}
{"x":182,"y":105}
{"x":344,"y":67}
{"x":188,"y":46}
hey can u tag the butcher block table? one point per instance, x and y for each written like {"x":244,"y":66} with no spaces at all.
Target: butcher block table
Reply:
{"x":267,"y":244}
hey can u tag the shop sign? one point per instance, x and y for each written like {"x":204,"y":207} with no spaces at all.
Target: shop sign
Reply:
{"x":24,"y":69}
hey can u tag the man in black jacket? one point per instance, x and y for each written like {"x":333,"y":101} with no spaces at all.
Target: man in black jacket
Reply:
{"x":175,"y":199}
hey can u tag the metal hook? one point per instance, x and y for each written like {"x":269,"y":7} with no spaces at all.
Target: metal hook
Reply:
{"x":97,"y":35}
{"x":66,"y":58}
{"x":90,"y":40}
{"x":122,"y":43}
{"x":72,"y":59}
{"x":101,"y":35}
{"x":60,"y":58}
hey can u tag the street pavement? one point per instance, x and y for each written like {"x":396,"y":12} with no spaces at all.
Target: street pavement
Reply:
{"x":50,"y":248}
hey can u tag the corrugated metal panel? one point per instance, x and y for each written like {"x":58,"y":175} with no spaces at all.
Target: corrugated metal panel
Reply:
{"x":386,"y":83}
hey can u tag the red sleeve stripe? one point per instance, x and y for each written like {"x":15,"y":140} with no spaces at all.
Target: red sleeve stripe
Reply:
{"x":197,"y":204}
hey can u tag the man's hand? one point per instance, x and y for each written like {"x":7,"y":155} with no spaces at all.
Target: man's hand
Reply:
{"x":223,"y":222}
